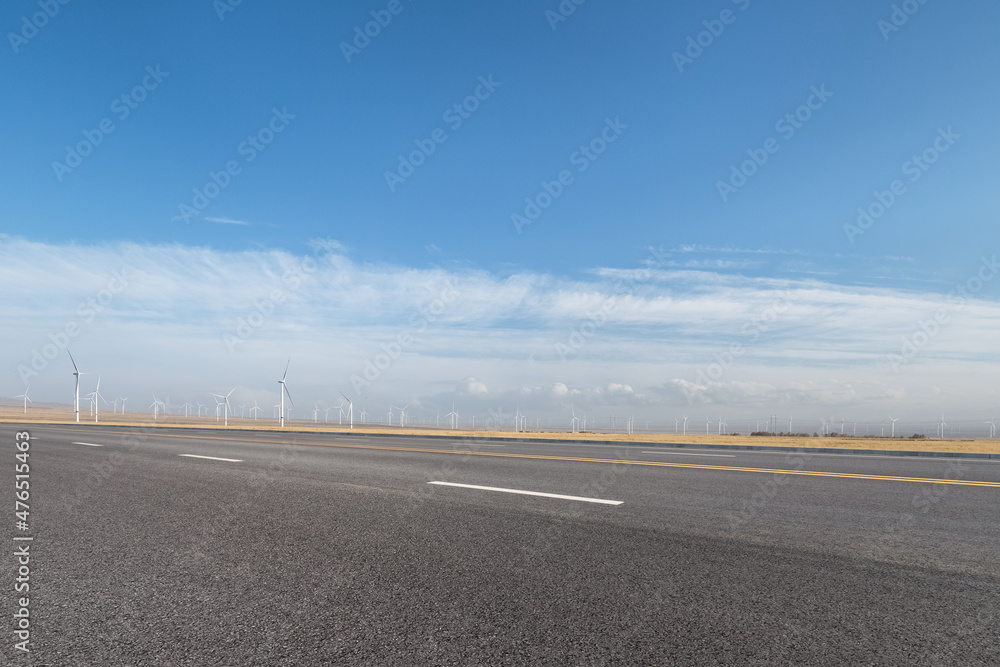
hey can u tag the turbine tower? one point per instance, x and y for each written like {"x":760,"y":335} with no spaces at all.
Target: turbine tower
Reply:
{"x":893,"y":425}
{"x":225,"y":403}
{"x":76,"y":395}
{"x":454,"y":417}
{"x":350,"y":409}
{"x":26,"y":399}
{"x":96,"y":397}
{"x":282,"y":392}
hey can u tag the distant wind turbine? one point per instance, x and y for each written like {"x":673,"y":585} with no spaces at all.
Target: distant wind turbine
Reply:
{"x":350,"y":410}
{"x":282,"y":392}
{"x":156,"y":406}
{"x":224,"y":402}
{"x":893,"y":425}
{"x":95,"y":396}
{"x":76,"y":374}
{"x":454,"y":417}
{"x":26,"y":399}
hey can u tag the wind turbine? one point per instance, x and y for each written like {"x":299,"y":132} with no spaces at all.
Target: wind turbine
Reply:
{"x":454,"y":417}
{"x":350,"y":409}
{"x":893,"y":425}
{"x":402,"y":415}
{"x":255,"y":409}
{"x":315,"y":413}
{"x":282,"y":392}
{"x":156,"y":405}
{"x":364,"y":416}
{"x":574,"y":423}
{"x":992,"y":424}
{"x":200,"y":406}
{"x":95,"y":396}
{"x":26,"y":399}
{"x":225,"y":403}
{"x":76,"y":374}
{"x":390,"y":414}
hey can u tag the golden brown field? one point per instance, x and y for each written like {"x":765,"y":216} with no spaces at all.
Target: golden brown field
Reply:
{"x":43,"y":415}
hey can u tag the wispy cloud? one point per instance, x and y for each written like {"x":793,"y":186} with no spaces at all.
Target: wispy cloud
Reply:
{"x":167,"y":330}
{"x":228,"y":221}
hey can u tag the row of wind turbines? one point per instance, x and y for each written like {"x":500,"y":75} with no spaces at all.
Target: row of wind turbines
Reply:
{"x":402,"y":418}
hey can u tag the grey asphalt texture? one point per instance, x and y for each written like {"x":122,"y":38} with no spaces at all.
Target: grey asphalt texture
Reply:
{"x":305,"y":553}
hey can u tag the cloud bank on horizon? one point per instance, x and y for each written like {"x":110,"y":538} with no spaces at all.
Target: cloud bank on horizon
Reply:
{"x":666,"y":339}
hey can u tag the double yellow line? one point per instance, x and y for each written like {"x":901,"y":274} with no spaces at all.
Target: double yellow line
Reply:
{"x":542,"y":457}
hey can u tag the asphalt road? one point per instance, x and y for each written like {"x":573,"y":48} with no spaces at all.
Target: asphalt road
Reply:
{"x":316,"y":549}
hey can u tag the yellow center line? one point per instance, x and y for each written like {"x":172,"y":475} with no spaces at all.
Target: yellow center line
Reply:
{"x":544,"y":457}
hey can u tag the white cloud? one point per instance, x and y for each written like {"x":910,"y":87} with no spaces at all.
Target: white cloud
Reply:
{"x":618,"y":340}
{"x":228,"y":221}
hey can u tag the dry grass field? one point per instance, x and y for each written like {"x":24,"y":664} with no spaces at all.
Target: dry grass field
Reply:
{"x":62,"y":415}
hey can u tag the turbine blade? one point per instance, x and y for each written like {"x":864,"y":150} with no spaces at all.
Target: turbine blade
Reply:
{"x":286,"y":369}
{"x":285,"y":387}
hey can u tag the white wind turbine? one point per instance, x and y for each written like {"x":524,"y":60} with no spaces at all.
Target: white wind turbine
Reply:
{"x":225,"y":403}
{"x":685,"y":425}
{"x":574,"y":423}
{"x":364,"y":416}
{"x":76,"y":374}
{"x":991,"y":423}
{"x":95,"y":396}
{"x":255,"y":410}
{"x":350,"y":410}
{"x":402,"y":415}
{"x":315,"y":413}
{"x":454,"y":417}
{"x":200,"y":406}
{"x":282,"y":392}
{"x":123,"y":399}
{"x":893,"y":426}
{"x":156,"y":406}
{"x":26,"y":399}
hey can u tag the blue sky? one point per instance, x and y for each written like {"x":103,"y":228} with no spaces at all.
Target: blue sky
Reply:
{"x":888,"y":96}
